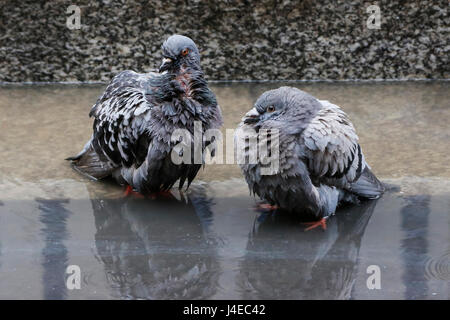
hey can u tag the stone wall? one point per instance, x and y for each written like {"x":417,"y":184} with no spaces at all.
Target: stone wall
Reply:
{"x":266,"y":39}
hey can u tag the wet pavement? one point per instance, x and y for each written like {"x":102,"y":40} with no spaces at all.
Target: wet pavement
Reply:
{"x":211,"y":243}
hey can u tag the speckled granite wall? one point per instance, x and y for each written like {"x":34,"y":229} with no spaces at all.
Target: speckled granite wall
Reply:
{"x":266,"y":39}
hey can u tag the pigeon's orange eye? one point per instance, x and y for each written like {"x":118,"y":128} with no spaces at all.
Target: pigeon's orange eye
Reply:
{"x":270,"y":109}
{"x":185,"y":52}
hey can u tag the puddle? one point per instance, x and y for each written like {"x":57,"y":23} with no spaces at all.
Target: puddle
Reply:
{"x":211,"y":243}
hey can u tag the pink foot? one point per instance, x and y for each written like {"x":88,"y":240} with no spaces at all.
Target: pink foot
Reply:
{"x":130,"y":192}
{"x":320,"y":223}
{"x":266,"y":207}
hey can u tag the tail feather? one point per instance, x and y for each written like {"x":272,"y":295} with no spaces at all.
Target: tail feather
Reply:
{"x":367,"y":186}
{"x":85,"y":149}
{"x":89,"y":164}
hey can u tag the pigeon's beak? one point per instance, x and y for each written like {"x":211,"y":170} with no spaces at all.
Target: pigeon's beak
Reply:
{"x":252,"y":116}
{"x":165,"y":65}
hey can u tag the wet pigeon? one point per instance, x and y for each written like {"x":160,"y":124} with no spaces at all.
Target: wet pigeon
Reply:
{"x":135,"y":117}
{"x":320,"y":161}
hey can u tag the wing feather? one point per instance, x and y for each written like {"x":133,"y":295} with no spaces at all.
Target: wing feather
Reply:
{"x":332,"y":149}
{"x":120,"y":117}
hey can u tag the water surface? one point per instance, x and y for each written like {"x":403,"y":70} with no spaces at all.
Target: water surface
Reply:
{"x":211,"y":243}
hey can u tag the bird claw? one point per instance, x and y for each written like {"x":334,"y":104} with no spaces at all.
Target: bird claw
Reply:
{"x":130,"y":192}
{"x":314,"y":224}
{"x":266,"y":207}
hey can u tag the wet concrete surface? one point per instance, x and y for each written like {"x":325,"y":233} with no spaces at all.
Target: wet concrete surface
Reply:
{"x":211,"y":243}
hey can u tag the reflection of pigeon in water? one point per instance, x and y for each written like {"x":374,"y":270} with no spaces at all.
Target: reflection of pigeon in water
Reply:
{"x":282,"y":263}
{"x":137,"y":114}
{"x":320,"y":160}
{"x":157,"y":249}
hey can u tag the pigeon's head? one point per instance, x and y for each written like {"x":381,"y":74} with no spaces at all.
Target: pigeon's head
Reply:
{"x":282,"y":107}
{"x":179,"y":52}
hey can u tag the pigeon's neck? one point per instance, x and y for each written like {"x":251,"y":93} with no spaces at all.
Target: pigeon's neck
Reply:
{"x":188,"y":83}
{"x":185,"y":96}
{"x":191,"y":82}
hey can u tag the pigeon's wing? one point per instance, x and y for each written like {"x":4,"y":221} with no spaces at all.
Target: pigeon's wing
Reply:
{"x":332,"y":152}
{"x":121,"y":116}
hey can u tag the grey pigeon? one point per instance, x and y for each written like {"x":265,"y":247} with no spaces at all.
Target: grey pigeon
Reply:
{"x":135,"y":117}
{"x":321,"y":163}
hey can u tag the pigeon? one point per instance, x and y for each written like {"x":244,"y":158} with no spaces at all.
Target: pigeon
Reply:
{"x":135,"y":117}
{"x":320,"y":162}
